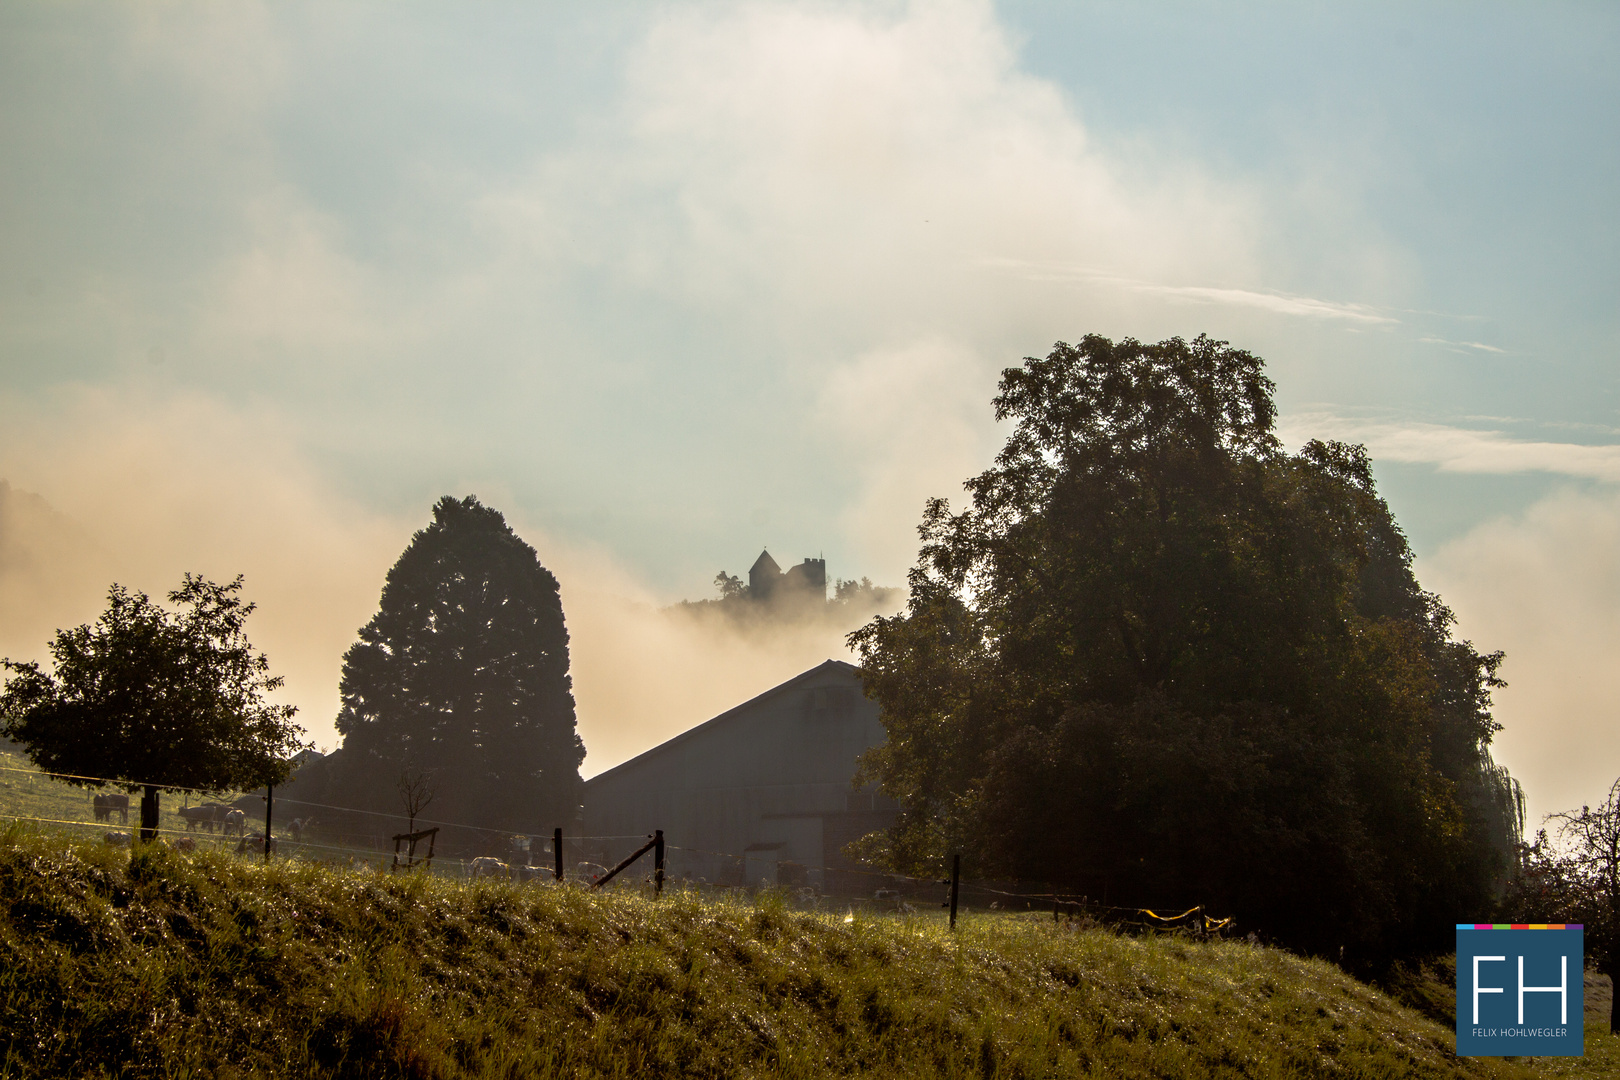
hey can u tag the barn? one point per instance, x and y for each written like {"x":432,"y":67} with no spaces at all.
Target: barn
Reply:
{"x":761,"y":794}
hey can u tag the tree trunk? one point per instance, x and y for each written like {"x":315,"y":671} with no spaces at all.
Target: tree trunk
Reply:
{"x":1614,"y":992}
{"x":149,"y":813}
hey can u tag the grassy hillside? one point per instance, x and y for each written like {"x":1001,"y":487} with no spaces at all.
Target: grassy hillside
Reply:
{"x":159,"y":964}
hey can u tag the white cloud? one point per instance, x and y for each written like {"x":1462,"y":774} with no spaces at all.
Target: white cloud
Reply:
{"x":1455,"y":449}
{"x":849,"y":173}
{"x":1545,"y":587}
{"x":292,"y":285}
{"x":1272,"y":302}
{"x":911,"y":424}
{"x":1478,"y":346}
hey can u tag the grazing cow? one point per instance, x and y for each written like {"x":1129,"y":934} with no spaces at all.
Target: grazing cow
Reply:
{"x":299,"y":826}
{"x":220,"y":812}
{"x":254,"y":843}
{"x":235,"y":822}
{"x":206,"y":815}
{"x":195,"y":816}
{"x":488,"y":866}
{"x":186,"y":844}
{"x":106,"y":805}
{"x":118,"y":839}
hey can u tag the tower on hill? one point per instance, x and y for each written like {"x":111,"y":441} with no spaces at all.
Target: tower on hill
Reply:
{"x":767,"y":581}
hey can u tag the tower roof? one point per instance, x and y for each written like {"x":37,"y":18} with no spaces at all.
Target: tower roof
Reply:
{"x":764,"y":565}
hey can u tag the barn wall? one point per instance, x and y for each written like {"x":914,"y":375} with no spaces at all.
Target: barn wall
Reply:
{"x":764,"y":784}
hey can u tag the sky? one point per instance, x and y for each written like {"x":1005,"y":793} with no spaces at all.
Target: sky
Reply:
{"x":671,"y":283}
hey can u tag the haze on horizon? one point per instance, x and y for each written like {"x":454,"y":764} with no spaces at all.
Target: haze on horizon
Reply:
{"x":668,"y":284}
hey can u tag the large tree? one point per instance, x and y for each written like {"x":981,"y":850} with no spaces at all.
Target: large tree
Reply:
{"x":1160,"y":659}
{"x":462,"y":675}
{"x":153,"y":699}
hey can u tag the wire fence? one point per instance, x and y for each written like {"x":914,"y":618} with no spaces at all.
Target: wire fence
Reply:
{"x":304,"y":839}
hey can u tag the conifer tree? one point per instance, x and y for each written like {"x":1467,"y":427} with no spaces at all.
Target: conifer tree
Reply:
{"x":463,"y":675}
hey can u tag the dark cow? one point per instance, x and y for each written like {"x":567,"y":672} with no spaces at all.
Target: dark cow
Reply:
{"x":107,"y":805}
{"x":235,"y":822}
{"x":206,"y":814}
{"x":195,"y":816}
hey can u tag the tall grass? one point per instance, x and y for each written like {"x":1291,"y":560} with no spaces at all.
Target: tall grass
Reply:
{"x":153,"y":963}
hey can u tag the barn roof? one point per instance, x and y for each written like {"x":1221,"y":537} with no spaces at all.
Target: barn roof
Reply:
{"x":725,"y":719}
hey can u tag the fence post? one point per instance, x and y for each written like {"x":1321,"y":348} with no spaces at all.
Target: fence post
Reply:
{"x":149,"y":813}
{"x":556,"y":851}
{"x":956,"y":885}
{"x":269,"y":805}
{"x":624,"y":865}
{"x":658,"y":863}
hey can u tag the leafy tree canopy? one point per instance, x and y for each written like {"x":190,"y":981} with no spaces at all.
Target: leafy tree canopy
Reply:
{"x":148,"y":697}
{"x":463,"y":674}
{"x":1158,"y":658}
{"x":1576,"y":879}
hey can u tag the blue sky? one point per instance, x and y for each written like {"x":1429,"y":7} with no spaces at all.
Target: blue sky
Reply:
{"x":667,"y":283}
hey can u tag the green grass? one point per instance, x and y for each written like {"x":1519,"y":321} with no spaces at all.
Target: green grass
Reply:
{"x":28,"y":794}
{"x":161,"y":964}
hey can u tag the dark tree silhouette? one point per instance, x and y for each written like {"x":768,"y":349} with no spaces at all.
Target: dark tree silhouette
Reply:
{"x":155,"y":700}
{"x":1160,"y":657}
{"x":463,"y":673}
{"x":1577,"y":881}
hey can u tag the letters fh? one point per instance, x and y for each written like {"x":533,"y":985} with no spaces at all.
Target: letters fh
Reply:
{"x":1562,"y":989}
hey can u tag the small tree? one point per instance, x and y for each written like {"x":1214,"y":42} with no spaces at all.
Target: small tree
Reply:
{"x":155,"y":700}
{"x":416,"y":792}
{"x":1593,"y":870}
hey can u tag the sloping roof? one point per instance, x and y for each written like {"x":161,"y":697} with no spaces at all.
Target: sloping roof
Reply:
{"x":764,"y":565}
{"x":725,"y":719}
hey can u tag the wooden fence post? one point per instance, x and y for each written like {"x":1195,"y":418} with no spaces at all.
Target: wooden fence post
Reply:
{"x":658,"y":863}
{"x":556,"y":851}
{"x":269,"y":805}
{"x":149,"y":813}
{"x":956,"y":885}
{"x":632,"y":857}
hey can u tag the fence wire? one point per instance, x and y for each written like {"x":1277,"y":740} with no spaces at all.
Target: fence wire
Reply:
{"x":364,"y":850}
